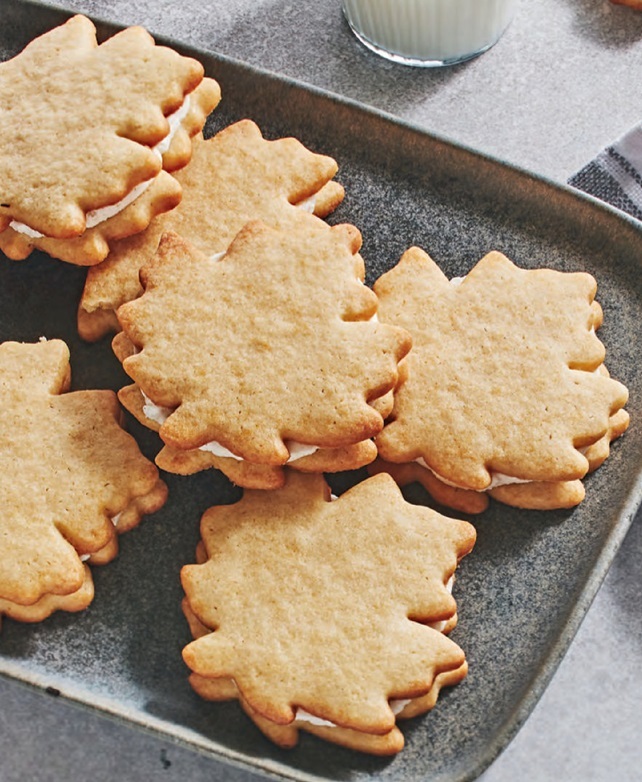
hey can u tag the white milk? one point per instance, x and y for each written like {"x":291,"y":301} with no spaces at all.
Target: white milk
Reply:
{"x":428,"y":32}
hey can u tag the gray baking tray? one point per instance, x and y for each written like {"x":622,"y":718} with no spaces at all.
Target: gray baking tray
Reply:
{"x":524,"y":590}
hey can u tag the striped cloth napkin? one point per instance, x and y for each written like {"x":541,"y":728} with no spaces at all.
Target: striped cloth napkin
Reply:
{"x":615,"y":175}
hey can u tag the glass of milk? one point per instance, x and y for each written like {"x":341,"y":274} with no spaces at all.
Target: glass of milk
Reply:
{"x":428,"y":32}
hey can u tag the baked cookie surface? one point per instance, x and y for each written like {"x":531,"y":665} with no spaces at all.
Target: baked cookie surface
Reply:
{"x":72,"y":479}
{"x":333,"y":628}
{"x":504,"y":383}
{"x":266,"y":349}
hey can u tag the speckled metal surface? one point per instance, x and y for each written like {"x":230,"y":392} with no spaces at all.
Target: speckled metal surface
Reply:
{"x":532,"y":575}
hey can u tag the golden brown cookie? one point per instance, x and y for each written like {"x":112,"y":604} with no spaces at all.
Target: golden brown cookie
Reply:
{"x":85,"y":130}
{"x":71,"y":480}
{"x":47,"y":604}
{"x":329,"y":634}
{"x":504,"y":382}
{"x":265,"y":355}
{"x":232,"y":178}
{"x":225,"y":689}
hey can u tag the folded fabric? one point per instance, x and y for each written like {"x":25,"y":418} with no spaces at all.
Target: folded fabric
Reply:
{"x":615,"y":175}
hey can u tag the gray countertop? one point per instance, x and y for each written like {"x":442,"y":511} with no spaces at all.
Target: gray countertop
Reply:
{"x":563,"y":82}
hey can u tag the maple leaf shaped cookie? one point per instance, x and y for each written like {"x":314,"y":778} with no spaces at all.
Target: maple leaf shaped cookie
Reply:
{"x":328,"y":623}
{"x":71,"y":480}
{"x":266,"y":349}
{"x":233,"y":177}
{"x":505,"y":380}
{"x":85,"y":126}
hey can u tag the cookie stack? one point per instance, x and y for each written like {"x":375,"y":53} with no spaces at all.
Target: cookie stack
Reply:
{"x":72,"y":480}
{"x":505,"y":393}
{"x":89,"y":133}
{"x":265,"y":356}
{"x":301,"y":611}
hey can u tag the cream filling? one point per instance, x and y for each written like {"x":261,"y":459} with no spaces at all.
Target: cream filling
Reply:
{"x":114,"y":520}
{"x":160,"y":414}
{"x":155,"y":412}
{"x":307,"y":204}
{"x":297,"y":450}
{"x":397,"y":705}
{"x":496,"y":479}
{"x":97,"y":216}
{"x":21,"y":228}
{"x":302,"y":715}
{"x":440,"y":626}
